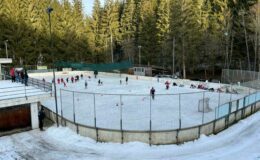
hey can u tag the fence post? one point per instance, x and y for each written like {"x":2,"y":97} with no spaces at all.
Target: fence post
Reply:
{"x":203,"y":97}
{"x":255,"y":100}
{"x":74,"y":119}
{"x":61,"y":112}
{"x":25,"y":92}
{"x":95,"y":119}
{"x":150,"y":133}
{"x":217,"y":109}
{"x":121,"y":121}
{"x":179,"y":111}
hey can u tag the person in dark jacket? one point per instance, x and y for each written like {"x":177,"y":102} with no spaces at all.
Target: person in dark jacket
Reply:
{"x":26,"y":78}
{"x":41,"y":116}
{"x":126,"y":80}
{"x":152,"y":91}
{"x":86,"y":84}
{"x":95,"y":73}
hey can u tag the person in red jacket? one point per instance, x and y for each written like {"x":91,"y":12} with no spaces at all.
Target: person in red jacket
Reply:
{"x":12,"y":74}
{"x":167,"y":84}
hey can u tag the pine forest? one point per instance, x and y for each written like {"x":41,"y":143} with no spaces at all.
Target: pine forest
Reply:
{"x":194,"y":35}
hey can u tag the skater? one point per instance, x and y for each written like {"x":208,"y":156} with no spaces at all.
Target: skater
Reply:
{"x":43,"y":80}
{"x":81,"y":76}
{"x":67,"y":80}
{"x":167,"y":84}
{"x":152,"y":91}
{"x":126,"y":79}
{"x":58,"y":80}
{"x":64,"y":83}
{"x":99,"y":82}
{"x":72,"y":79}
{"x":120,"y":81}
{"x":95,"y":73}
{"x":41,"y":116}
{"x":86,"y":84}
{"x":61,"y":80}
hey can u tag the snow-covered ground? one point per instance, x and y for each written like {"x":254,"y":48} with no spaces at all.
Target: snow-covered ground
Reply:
{"x":168,"y":107}
{"x":239,"y":142}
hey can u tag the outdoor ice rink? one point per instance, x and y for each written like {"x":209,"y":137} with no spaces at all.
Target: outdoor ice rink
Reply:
{"x":112,"y":101}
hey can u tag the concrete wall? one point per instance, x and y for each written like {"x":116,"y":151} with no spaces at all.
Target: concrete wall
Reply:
{"x":34,"y":115}
{"x":157,"y":137}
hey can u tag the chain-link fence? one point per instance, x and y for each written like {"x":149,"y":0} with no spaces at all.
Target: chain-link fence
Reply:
{"x":142,"y":113}
{"x":238,"y":76}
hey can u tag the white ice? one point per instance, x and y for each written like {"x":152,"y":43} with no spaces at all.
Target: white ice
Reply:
{"x":131,"y":102}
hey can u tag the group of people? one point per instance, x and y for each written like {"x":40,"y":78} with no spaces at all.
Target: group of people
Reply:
{"x":72,"y":80}
{"x":201,"y":86}
{"x":19,"y":76}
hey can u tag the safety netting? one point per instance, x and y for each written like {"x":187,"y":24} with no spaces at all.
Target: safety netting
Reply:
{"x":100,"y":66}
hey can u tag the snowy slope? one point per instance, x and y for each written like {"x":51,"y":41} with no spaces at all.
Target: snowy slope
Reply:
{"x":239,"y":142}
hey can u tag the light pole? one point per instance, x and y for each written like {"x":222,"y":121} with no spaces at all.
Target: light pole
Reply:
{"x":6,"y":50}
{"x":49,"y":10}
{"x":139,"y":47}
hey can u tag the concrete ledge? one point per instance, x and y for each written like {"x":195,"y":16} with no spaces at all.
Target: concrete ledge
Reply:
{"x":164,"y":137}
{"x":207,"y":129}
{"x":109,"y":136}
{"x":136,"y":136}
{"x":24,"y":100}
{"x":219,"y":125}
{"x":231,"y":118}
{"x":87,"y":132}
{"x":188,"y":134}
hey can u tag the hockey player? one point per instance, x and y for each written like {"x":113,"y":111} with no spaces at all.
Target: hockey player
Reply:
{"x":86,"y":84}
{"x":64,"y":83}
{"x":152,"y":91}
{"x":167,"y":84}
{"x":126,"y":79}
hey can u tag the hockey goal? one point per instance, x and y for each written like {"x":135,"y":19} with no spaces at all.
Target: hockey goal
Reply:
{"x":204,"y":105}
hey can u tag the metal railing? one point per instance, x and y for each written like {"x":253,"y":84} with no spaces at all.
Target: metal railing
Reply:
{"x":45,"y":86}
{"x":141,"y":113}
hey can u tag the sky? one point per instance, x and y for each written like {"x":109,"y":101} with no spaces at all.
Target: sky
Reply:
{"x":88,"y":5}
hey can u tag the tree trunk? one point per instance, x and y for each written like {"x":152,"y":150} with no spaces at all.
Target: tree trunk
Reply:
{"x":247,"y":49}
{"x":183,"y":60}
{"x":173,"y":55}
{"x":231,"y":50}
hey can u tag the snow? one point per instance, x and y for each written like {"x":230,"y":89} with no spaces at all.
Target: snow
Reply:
{"x":9,"y":90}
{"x":239,"y":142}
{"x":166,"y":110}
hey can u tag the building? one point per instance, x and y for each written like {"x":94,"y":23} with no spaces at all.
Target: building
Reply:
{"x":19,"y":105}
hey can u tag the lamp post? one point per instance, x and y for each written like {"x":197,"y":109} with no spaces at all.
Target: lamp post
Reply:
{"x":139,"y":47}
{"x":6,"y":50}
{"x":49,"y":10}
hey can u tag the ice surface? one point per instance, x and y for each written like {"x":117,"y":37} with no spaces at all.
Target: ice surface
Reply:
{"x":132,"y":102}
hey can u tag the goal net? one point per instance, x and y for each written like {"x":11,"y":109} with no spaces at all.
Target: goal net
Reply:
{"x":204,"y":105}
